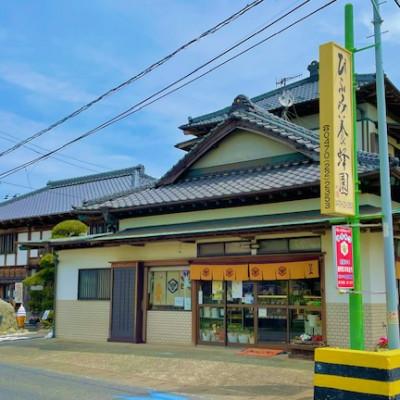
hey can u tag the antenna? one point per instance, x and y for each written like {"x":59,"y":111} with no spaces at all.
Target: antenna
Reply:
{"x":286,"y":98}
{"x":283,"y":81}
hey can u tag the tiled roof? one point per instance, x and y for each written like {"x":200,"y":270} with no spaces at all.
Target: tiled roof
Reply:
{"x":245,"y":111}
{"x":303,"y":90}
{"x":228,"y":184}
{"x":59,"y":197}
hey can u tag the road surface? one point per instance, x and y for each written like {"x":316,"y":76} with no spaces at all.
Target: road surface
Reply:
{"x":25,"y":383}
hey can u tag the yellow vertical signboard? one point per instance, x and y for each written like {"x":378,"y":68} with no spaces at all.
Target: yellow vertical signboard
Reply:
{"x":336,"y":130}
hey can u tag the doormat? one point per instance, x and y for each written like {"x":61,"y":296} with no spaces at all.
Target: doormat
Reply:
{"x":257,"y":352}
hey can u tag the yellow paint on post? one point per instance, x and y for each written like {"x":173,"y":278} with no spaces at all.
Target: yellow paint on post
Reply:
{"x":366,"y":386}
{"x":336,"y":130}
{"x":342,"y":373}
{"x":369,"y":359}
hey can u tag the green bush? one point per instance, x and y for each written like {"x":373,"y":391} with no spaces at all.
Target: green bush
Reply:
{"x":69,"y":228}
{"x":41,"y":300}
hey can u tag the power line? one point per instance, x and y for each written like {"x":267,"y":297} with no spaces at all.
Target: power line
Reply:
{"x":134,"y":78}
{"x":146,"y":103}
{"x":42,"y":150}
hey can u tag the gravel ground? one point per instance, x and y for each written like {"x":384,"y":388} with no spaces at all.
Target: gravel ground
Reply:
{"x":202,"y":372}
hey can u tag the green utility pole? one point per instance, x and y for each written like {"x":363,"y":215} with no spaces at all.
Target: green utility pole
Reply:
{"x":355,"y":298}
{"x":392,"y":300}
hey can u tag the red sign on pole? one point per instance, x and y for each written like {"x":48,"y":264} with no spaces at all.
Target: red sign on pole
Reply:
{"x":343,"y":256}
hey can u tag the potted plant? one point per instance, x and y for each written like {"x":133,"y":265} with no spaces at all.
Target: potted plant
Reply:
{"x":205,"y":332}
{"x":243,"y":336}
{"x":233,"y":333}
{"x":252,"y":339}
{"x":382,"y":344}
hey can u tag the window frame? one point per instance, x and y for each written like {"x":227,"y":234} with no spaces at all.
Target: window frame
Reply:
{"x":8,"y":241}
{"x":224,"y":252}
{"x":79,"y":297}
{"x":288,"y":240}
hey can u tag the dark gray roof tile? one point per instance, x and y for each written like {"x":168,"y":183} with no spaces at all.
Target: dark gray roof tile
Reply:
{"x":59,"y":197}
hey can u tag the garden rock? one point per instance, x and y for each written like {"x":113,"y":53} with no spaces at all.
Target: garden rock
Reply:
{"x":8,"y":322}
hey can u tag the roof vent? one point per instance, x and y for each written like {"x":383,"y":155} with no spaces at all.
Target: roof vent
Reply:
{"x":313,"y":68}
{"x":138,"y":172}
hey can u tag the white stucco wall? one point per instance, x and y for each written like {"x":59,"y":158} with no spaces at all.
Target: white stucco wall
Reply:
{"x":70,"y":261}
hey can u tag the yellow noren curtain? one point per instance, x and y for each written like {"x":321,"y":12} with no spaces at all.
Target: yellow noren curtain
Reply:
{"x":311,"y":269}
{"x":220,"y":272}
{"x":242,"y":272}
{"x":282,"y":272}
{"x":195,"y":272}
{"x":398,"y":269}
{"x":255,"y":272}
{"x":285,"y":270}
{"x":258,"y":272}
{"x":268,"y":271}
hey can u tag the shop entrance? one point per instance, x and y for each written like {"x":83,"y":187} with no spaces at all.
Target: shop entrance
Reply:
{"x":274,"y":312}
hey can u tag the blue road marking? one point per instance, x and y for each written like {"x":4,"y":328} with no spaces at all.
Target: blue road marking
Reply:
{"x":152,"y":395}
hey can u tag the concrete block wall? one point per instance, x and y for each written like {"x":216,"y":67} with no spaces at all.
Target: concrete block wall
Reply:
{"x":170,"y":327}
{"x":338,"y":326}
{"x":83,"y":320}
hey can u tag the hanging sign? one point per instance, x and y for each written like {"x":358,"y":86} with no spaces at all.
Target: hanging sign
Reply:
{"x":343,"y":256}
{"x":19,"y":292}
{"x":336,"y":130}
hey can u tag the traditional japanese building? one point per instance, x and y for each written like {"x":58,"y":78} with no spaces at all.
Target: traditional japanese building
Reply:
{"x":229,"y":246}
{"x":32,"y":215}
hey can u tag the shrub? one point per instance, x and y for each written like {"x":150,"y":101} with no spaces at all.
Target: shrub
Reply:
{"x":69,"y":228}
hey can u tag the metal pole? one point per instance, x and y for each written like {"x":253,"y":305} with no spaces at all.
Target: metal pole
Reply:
{"x":386,"y":198}
{"x":355,"y":298}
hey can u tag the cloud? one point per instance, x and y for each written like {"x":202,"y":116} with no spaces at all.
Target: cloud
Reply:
{"x":41,"y":84}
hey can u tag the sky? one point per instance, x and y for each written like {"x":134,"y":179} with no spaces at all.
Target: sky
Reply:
{"x":58,"y":55}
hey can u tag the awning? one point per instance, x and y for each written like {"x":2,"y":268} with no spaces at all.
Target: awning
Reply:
{"x":256,"y":272}
{"x":192,"y":230}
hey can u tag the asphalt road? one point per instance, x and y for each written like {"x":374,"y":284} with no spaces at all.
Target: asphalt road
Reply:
{"x":24,"y":383}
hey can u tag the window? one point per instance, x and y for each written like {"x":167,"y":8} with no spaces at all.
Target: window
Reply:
{"x":96,"y":228}
{"x":169,"y":289}
{"x":223,"y":249}
{"x":94,"y":284}
{"x":8,"y":243}
{"x":290,"y":245}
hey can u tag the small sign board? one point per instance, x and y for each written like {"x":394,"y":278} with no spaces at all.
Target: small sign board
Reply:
{"x":19,"y":292}
{"x":37,"y":288}
{"x":343,"y":256}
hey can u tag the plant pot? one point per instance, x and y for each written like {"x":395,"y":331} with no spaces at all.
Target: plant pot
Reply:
{"x":205,"y":336}
{"x":207,"y":312}
{"x":243,"y":338}
{"x":232,"y":337}
{"x":252,"y":339}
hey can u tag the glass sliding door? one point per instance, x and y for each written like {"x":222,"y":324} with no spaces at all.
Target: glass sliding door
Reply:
{"x":211,"y":301}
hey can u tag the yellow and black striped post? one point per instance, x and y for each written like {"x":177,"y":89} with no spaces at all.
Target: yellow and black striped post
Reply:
{"x":342,"y":374}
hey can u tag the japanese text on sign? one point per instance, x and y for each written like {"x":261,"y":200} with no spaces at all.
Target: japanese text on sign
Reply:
{"x":336,"y":131}
{"x":343,"y":256}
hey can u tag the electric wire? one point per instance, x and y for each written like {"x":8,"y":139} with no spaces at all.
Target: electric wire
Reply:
{"x":146,"y":103}
{"x":134,"y":78}
{"x":41,"y":150}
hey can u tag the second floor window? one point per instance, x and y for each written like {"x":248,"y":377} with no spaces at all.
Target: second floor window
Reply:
{"x":8,"y":243}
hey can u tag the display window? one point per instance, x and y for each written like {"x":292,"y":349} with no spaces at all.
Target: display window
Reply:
{"x":263,"y":312}
{"x":169,"y":289}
